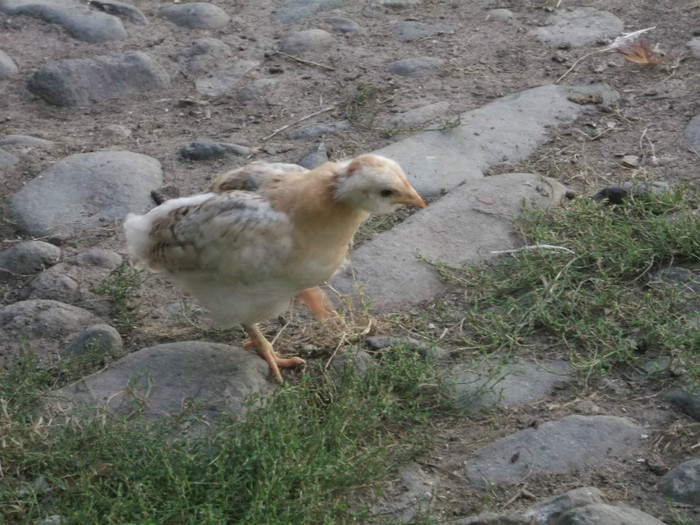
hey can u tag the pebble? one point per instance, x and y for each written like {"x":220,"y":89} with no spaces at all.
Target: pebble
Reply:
{"x":79,"y":82}
{"x":205,"y":150}
{"x":8,"y":68}
{"x":682,"y":483}
{"x":116,"y":131}
{"x":203,"y":55}
{"x":261,"y":91}
{"x":59,"y":203}
{"x":499,"y":15}
{"x":343,"y":25}
{"x":293,"y":10}
{"x":314,"y":130}
{"x":73,"y":280}
{"x":415,"y":67}
{"x":397,"y":4}
{"x":687,"y":402}
{"x":24,"y":140}
{"x":694,"y":46}
{"x":222,"y":81}
{"x":408,"y":31}
{"x":79,"y":22}
{"x":27,"y":258}
{"x":122,"y":9}
{"x":195,"y":15}
{"x":578,"y":27}
{"x":305,"y":41}
{"x":548,"y":509}
{"x":692,"y":133}
{"x":42,"y":325}
{"x":607,"y":514}
{"x":97,"y":339}
{"x":630,"y":161}
{"x":315,"y":157}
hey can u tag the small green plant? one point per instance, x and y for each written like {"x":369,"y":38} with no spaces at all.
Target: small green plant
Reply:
{"x":122,"y":287}
{"x":595,"y":298}
{"x":294,"y":459}
{"x":364,"y":104}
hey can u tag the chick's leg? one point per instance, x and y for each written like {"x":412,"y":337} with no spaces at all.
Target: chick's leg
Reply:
{"x":265,"y":350}
{"x":318,"y":303}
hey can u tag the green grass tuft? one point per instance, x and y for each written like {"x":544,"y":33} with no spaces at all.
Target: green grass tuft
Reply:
{"x":599,"y":303}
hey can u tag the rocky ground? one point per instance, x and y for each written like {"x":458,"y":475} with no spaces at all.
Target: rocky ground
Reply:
{"x":485,"y":103}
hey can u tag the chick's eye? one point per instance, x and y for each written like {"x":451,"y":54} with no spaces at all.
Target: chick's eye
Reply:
{"x":386,"y":193}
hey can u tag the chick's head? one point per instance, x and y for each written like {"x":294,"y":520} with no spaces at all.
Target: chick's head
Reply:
{"x":375,"y":184}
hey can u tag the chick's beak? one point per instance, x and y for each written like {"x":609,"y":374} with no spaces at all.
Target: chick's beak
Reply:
{"x":411,"y":198}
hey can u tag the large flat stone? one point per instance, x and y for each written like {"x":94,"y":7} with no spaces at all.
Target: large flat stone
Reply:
{"x":556,"y":447}
{"x":165,"y":379}
{"x":507,"y":130}
{"x":461,"y":228}
{"x":86,"y":191}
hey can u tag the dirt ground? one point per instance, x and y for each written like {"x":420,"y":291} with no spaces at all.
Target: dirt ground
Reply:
{"x":484,"y":61}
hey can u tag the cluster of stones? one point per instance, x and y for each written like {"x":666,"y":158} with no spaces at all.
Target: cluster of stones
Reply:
{"x":60,"y":314}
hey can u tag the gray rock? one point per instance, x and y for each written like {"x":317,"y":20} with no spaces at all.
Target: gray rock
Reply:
{"x":415,"y":67}
{"x":8,"y":68}
{"x":27,"y":258}
{"x":682,"y":483}
{"x":692,"y":133}
{"x":86,"y":191}
{"x":305,"y":41}
{"x":224,"y":80}
{"x":204,"y":150}
{"x":556,"y":447}
{"x":195,"y":15}
{"x":437,"y":161}
{"x":461,"y":228}
{"x":357,"y":360}
{"x":100,"y":339}
{"x":317,"y":156}
{"x":414,"y":118}
{"x":499,"y":15}
{"x":579,"y":27}
{"x":40,"y":327}
{"x":79,"y":82}
{"x":508,"y":385}
{"x":78,"y":20}
{"x":343,"y":25}
{"x":167,"y":378}
{"x":54,"y":519}
{"x":549,"y":510}
{"x":293,"y":10}
{"x":121,"y":9}
{"x":408,"y":31}
{"x":7,"y":159}
{"x":116,"y":131}
{"x":429,"y":350}
{"x":315,"y":130}
{"x":607,"y":514}
{"x":264,"y":91}
{"x":24,"y":140}
{"x":688,"y":402}
{"x":203,"y":55}
{"x":397,"y":4}
{"x":694,"y":46}
{"x":411,"y":493}
{"x":73,"y":280}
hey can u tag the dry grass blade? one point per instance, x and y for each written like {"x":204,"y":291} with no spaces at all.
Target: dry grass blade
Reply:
{"x":640,"y":52}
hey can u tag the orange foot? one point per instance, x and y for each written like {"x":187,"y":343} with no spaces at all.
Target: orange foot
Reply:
{"x":265,"y":350}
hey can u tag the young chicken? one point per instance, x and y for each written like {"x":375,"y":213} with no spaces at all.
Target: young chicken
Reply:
{"x":264,"y":234}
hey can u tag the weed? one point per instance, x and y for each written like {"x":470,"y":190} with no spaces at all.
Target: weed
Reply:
{"x":122,"y":287}
{"x":597,"y":302}
{"x":295,"y":458}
